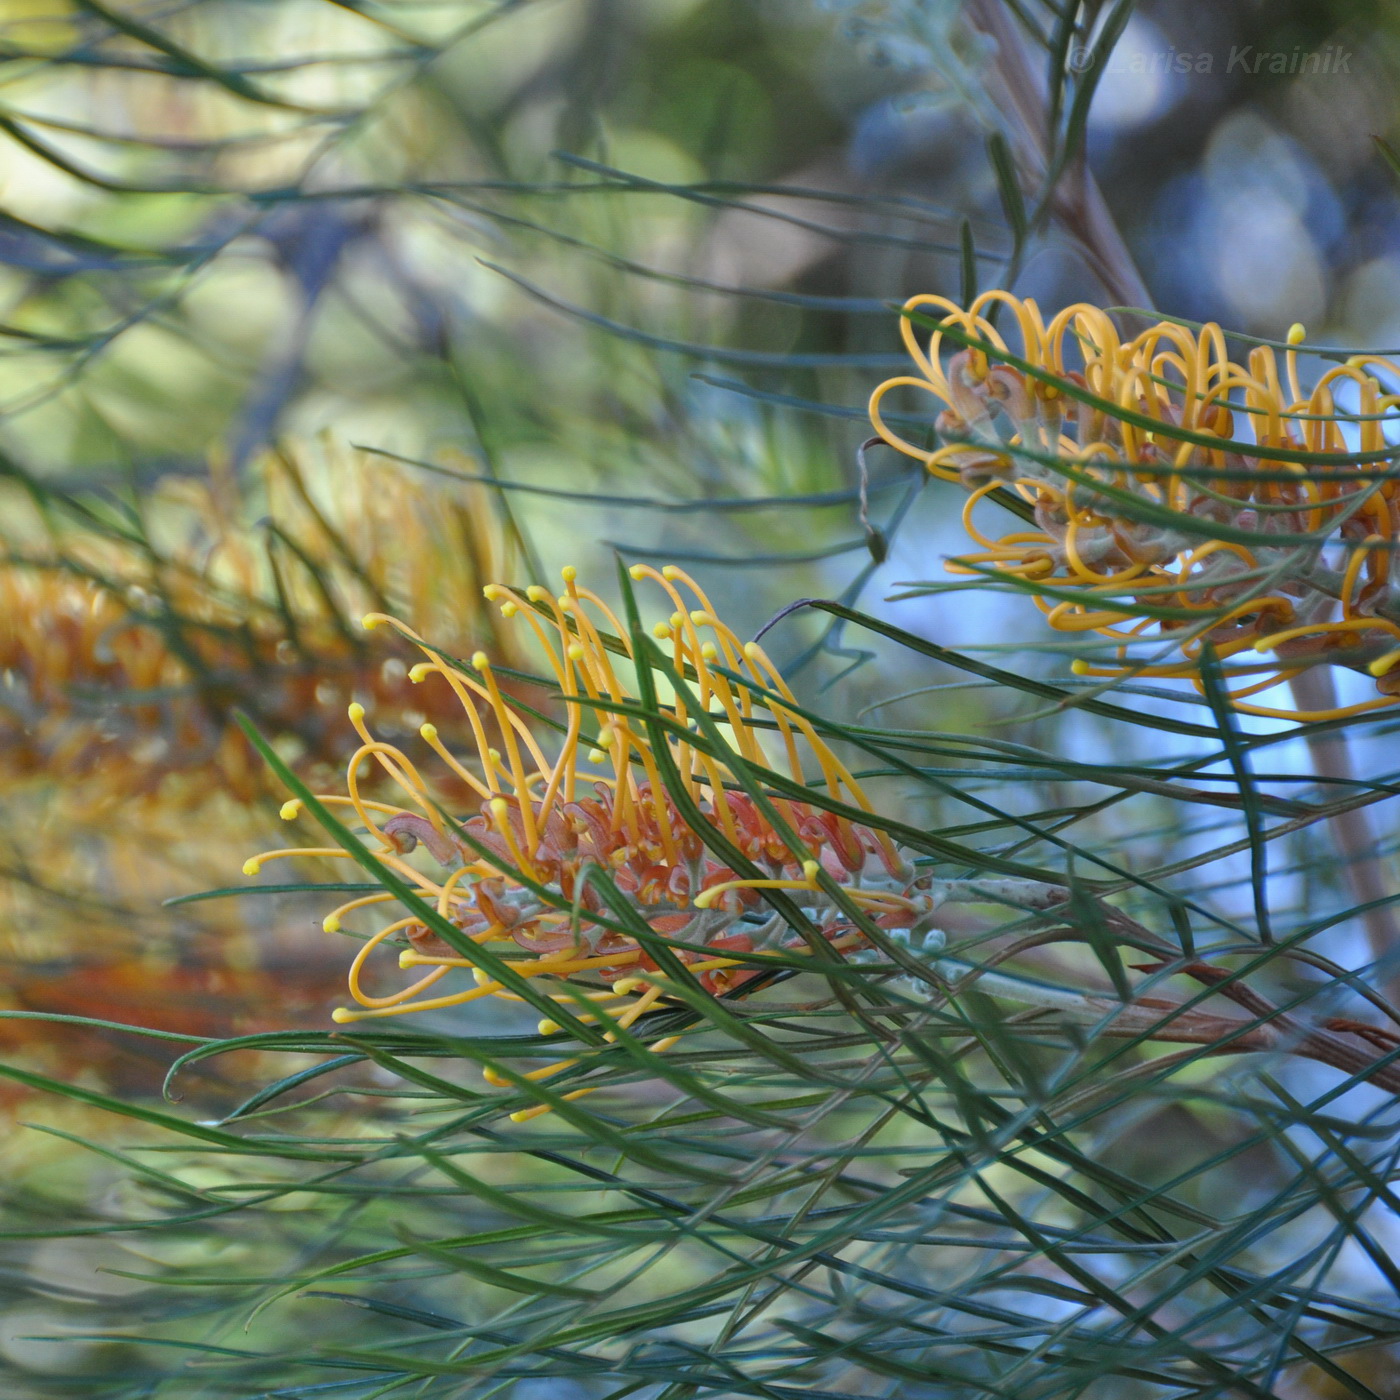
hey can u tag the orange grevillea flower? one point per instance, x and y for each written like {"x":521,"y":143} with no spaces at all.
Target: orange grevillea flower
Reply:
{"x":1193,"y":522}
{"x":600,"y":802}
{"x":122,"y":656}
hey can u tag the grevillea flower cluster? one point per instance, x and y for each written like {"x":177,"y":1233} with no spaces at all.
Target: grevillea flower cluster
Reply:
{"x":122,"y":657}
{"x":540,"y":823}
{"x":1171,"y":503}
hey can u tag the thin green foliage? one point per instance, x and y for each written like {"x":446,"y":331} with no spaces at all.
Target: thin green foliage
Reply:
{"x":974,"y":1236}
{"x":1117,"y":1122}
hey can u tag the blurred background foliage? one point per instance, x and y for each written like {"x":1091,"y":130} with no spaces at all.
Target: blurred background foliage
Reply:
{"x":308,"y":307}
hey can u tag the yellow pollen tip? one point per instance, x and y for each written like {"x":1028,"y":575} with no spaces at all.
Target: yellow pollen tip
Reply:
{"x":670,"y":572}
{"x":491,"y":592}
{"x":752,"y":650}
{"x":480,"y":661}
{"x":661,"y":631}
{"x":404,"y":958}
{"x":509,"y":609}
{"x":709,"y":651}
{"x":356,"y":711}
{"x":492,"y":1077}
{"x":536,"y":594}
{"x":810,"y":869}
{"x":704,"y":899}
{"x":1296,"y":334}
{"x":331,"y":924}
{"x":568,"y":573}
{"x":596,"y":756}
{"x":1079,"y":667}
{"x":370,"y":621}
{"x":290,"y":810}
{"x":499,"y":807}
{"x":428,"y":731}
{"x":677,"y":619}
{"x":416,"y":673}
{"x":479,"y":977}
{"x":701,"y":618}
{"x":547,"y":1027}
{"x":566,"y":604}
{"x":1382,"y":664}
{"x":576,"y":651}
{"x":342,"y":1014}
{"x":606,"y":735}
{"x":637,"y":572}
{"x":251,"y":866}
{"x":494,"y":755}
{"x":626,"y":986}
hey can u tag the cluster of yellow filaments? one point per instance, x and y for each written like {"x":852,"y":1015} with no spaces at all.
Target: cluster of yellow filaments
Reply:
{"x":1156,"y":519}
{"x":542,"y":823}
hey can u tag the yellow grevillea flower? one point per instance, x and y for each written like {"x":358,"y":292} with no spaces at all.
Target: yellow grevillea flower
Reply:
{"x":1188,"y":523}
{"x":600,"y":801}
{"x":122,"y":657}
